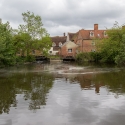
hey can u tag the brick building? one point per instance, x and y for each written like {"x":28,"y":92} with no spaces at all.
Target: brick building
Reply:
{"x":86,"y":38}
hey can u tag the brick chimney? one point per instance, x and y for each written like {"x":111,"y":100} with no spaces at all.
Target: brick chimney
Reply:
{"x":95,"y":26}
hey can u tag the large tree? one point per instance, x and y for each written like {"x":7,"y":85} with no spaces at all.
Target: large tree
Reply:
{"x":38,"y":38}
{"x":7,"y":50}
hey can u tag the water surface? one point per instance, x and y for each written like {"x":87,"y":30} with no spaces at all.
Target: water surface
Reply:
{"x":62,"y":94}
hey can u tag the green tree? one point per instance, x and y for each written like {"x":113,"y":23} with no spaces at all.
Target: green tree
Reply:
{"x":111,"y":49}
{"x":120,"y":58}
{"x":33,"y":27}
{"x":7,"y":56}
{"x":22,"y":43}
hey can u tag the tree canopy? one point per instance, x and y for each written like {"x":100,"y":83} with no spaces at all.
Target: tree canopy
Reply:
{"x":6,"y":44}
{"x":112,"y":49}
{"x":28,"y":37}
{"x":33,"y":35}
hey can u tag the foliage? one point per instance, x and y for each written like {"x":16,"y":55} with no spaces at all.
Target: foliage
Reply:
{"x":111,"y":49}
{"x":33,"y":35}
{"x":81,"y":57}
{"x":54,"y":57}
{"x":95,"y":56}
{"x":120,"y":58}
{"x":7,"y":56}
{"x":20,"y":83}
{"x":22,"y":43}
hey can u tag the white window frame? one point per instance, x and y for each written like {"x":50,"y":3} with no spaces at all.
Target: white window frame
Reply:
{"x":91,"y":33}
{"x":69,"y":50}
{"x":60,"y":44}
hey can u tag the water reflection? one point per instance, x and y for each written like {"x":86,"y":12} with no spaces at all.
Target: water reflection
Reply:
{"x":7,"y":95}
{"x":34,"y":87}
{"x":65,"y":94}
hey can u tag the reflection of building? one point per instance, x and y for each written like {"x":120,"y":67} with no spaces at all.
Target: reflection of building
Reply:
{"x":87,"y":82}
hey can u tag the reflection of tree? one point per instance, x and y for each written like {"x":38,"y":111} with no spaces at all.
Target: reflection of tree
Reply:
{"x":114,"y":81}
{"x":7,"y":95}
{"x":40,"y":87}
{"x":34,"y":86}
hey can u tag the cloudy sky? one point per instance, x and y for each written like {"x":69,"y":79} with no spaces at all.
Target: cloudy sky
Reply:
{"x":59,"y":16}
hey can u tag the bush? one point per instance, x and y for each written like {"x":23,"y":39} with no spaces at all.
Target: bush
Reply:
{"x":82,"y":57}
{"x":29,"y":58}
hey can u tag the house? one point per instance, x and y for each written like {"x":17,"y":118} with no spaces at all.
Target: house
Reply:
{"x":69,"y":48}
{"x":86,"y":38}
{"x":57,"y":42}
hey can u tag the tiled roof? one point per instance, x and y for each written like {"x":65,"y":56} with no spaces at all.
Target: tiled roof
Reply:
{"x":58,"y":39}
{"x":72,"y":36}
{"x":85,"y":34}
{"x":55,"y":48}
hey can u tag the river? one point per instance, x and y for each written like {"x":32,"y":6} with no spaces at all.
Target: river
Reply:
{"x":62,"y":94}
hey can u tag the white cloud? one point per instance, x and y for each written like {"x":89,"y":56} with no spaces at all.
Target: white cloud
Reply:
{"x":60,"y":15}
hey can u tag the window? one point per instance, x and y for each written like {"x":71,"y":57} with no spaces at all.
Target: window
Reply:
{"x":60,"y":44}
{"x":91,"y":33}
{"x":93,"y":42}
{"x":53,"y":44}
{"x":98,"y":35}
{"x":69,"y":50}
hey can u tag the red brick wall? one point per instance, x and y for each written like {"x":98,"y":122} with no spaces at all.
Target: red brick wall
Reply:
{"x":85,"y":46}
{"x":64,"y":52}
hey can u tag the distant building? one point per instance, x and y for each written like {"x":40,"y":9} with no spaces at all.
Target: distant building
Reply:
{"x":86,"y":38}
{"x":57,"y":42}
{"x":68,"y":49}
{"x":73,"y":43}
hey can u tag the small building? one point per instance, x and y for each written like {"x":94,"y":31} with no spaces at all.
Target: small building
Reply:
{"x":68,"y":49}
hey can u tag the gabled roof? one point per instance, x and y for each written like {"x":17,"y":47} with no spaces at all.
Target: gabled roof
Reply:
{"x":72,"y":36}
{"x":58,"y":39}
{"x":85,"y":34}
{"x":70,"y":44}
{"x":56,"y":48}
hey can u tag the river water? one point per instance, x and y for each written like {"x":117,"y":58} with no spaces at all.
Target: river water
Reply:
{"x":62,"y":94}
